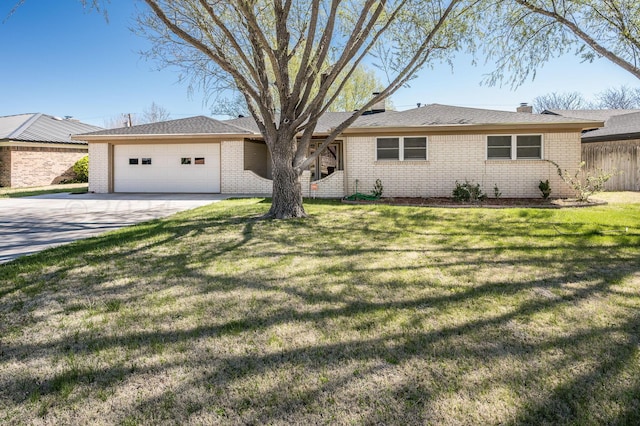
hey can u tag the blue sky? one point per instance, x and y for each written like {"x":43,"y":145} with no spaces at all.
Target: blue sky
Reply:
{"x":60,"y":59}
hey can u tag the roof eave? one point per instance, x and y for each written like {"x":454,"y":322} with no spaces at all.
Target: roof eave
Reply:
{"x":98,"y":138}
{"x":453,"y":128}
{"x":612,"y":138}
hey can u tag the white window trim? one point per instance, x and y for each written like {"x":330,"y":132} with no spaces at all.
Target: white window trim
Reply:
{"x":514,"y":147}
{"x":401,"y":148}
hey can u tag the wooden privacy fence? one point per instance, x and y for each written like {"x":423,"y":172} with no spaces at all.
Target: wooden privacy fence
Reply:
{"x":621,"y":156}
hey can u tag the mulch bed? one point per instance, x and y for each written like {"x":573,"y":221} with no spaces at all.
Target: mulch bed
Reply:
{"x":489,"y":202}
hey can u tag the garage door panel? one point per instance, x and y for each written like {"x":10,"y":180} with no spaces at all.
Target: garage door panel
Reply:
{"x":167,"y":173}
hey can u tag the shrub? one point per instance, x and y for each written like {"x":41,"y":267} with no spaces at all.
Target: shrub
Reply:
{"x":584,"y":183}
{"x":377,"y":189}
{"x":81,"y":169}
{"x":545,"y":188}
{"x":496,"y":191}
{"x":468,"y":191}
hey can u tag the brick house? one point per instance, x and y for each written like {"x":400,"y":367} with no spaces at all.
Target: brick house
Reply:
{"x":416,"y":153}
{"x":37,"y":150}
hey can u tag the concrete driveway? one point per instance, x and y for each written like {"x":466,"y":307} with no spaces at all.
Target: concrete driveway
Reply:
{"x":32,"y":224}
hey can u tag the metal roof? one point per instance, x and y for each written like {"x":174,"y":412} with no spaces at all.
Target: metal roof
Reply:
{"x":42,"y":128}
{"x":192,"y":125}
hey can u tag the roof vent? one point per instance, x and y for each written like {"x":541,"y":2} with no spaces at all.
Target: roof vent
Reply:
{"x":524,"y":107}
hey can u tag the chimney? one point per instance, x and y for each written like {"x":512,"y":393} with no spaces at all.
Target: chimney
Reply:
{"x":380,"y":106}
{"x":524,"y":108}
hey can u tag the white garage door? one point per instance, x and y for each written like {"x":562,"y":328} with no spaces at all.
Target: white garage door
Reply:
{"x":167,"y":168}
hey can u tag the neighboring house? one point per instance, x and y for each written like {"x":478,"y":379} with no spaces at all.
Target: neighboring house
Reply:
{"x":37,"y":150}
{"x":416,"y":153}
{"x":612,"y":148}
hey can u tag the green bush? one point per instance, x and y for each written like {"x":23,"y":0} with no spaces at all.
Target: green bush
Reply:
{"x":81,"y":169}
{"x":377,"y":189}
{"x":545,"y":188}
{"x":496,"y":191}
{"x":468,"y":191}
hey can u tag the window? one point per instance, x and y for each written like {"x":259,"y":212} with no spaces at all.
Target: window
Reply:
{"x":146,"y":161}
{"x":185,"y":160}
{"x":388,"y":149}
{"x":529,"y":146}
{"x":499,"y":147}
{"x":402,"y":149}
{"x":199,"y":160}
{"x":133,"y":161}
{"x":514,"y":147}
{"x":415,"y":148}
{"x":328,"y":162}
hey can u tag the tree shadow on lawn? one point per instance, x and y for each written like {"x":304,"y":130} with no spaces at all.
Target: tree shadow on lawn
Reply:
{"x":478,"y":343}
{"x":408,"y":374}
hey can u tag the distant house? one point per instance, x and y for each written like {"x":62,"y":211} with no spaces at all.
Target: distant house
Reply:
{"x":37,"y":150}
{"x":614,"y":147}
{"x":416,"y":153}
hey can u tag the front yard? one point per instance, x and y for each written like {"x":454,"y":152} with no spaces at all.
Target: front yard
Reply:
{"x":357,"y":315}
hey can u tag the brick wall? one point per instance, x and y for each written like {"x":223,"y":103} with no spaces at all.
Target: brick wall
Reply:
{"x":233,"y":178}
{"x":331,"y":186}
{"x":236,"y":180}
{"x":5,"y":166}
{"x":41,"y":166}
{"x":99,"y":167}
{"x":460,"y":157}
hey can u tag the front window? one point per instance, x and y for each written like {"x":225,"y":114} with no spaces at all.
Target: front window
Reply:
{"x":514,"y":147}
{"x":499,"y":147}
{"x":415,"y":148}
{"x":388,"y":149}
{"x":328,"y":162}
{"x":529,"y":146}
{"x":409,"y":148}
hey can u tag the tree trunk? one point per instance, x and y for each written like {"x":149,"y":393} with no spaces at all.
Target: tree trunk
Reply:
{"x":287,"y":191}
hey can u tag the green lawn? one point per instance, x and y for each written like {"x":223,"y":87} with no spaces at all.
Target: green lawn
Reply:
{"x":74,"y":188}
{"x":356,"y":315}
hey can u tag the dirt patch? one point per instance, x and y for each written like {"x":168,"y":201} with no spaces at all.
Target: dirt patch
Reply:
{"x":489,"y":202}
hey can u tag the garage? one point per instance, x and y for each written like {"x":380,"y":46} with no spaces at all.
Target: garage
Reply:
{"x":167,"y":167}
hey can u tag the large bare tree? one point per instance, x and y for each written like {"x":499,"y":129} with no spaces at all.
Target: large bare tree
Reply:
{"x":291,"y":59}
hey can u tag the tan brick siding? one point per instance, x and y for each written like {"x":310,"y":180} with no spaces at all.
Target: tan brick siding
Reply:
{"x":233,"y":178}
{"x":99,"y":167}
{"x":331,"y":186}
{"x":5,"y":166}
{"x":39,"y":166}
{"x":236,"y":180}
{"x":460,"y":157}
